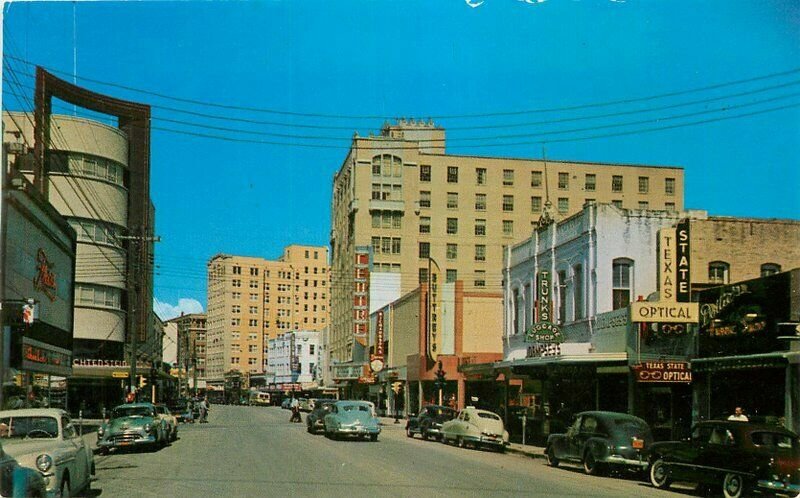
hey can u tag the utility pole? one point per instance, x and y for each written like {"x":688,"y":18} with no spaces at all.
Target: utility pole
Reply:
{"x":139,"y":265}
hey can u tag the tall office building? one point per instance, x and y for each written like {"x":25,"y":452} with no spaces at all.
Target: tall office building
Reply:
{"x":191,"y":348}
{"x":252,"y":300}
{"x":402,"y":205}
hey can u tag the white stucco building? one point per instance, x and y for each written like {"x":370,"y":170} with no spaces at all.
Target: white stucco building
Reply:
{"x":599,"y":260}
{"x":294,"y":357}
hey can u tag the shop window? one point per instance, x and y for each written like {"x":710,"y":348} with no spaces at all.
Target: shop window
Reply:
{"x":577,"y":289}
{"x":562,"y":297}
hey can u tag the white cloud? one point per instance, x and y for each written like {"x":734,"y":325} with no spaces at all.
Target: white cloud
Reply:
{"x":166,"y":311}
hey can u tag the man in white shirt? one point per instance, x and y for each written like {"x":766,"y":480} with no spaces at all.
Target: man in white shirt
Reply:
{"x":738,"y":415}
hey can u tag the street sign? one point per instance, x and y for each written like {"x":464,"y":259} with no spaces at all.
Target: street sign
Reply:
{"x":120,"y":375}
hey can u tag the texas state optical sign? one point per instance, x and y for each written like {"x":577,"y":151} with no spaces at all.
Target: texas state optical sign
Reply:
{"x":663,"y":371}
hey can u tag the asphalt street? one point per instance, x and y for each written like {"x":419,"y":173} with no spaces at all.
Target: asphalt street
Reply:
{"x":255,"y":451}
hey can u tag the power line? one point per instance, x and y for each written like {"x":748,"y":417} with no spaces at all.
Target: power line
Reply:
{"x":442,"y":116}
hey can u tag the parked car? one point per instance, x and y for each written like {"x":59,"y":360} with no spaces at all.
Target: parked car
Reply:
{"x":181,"y":411}
{"x":260,"y":399}
{"x":131,"y":425}
{"x":352,"y":418}
{"x":304,"y":404}
{"x":169,"y":421}
{"x":741,"y":456}
{"x":429,"y":422}
{"x":45,"y":440}
{"x":474,"y":427}
{"x":286,"y":403}
{"x":16,"y":480}
{"x":601,"y":440}
{"x":315,"y":420}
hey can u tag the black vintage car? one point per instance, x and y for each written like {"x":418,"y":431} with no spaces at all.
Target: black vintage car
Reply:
{"x":315,"y":420}
{"x":429,"y":421}
{"x":601,"y":440}
{"x":741,"y":456}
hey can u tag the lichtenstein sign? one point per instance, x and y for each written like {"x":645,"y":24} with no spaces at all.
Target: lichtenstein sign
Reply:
{"x":544,"y":330}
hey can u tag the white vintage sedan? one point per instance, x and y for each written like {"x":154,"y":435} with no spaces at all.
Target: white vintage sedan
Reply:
{"x":474,"y":427}
{"x":44,"y":439}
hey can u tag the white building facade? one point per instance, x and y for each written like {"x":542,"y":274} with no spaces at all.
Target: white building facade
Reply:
{"x":294,"y":358}
{"x":599,"y":260}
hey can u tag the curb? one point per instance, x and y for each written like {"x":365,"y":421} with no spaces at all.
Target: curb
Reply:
{"x":532,"y":453}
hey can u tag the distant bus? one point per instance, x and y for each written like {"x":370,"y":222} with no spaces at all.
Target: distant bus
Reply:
{"x":260,"y":399}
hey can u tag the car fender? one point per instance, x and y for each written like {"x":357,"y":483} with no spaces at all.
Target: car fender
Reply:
{"x":598,"y":446}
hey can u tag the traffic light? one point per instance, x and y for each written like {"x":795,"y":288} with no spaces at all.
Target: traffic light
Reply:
{"x":142,"y":381}
{"x":397,"y":387}
{"x":440,"y":377}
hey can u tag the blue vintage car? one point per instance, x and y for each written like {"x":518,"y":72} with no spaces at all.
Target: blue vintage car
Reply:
{"x":130,"y":425}
{"x":352,"y":418}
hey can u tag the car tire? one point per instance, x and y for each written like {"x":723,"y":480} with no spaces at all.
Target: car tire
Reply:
{"x":373,"y":437}
{"x":65,"y":490}
{"x":734,"y":486}
{"x":460,"y":442}
{"x":659,"y":477}
{"x":551,"y":457}
{"x":590,"y":464}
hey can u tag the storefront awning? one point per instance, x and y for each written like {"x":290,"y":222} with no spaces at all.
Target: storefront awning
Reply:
{"x":576,"y":359}
{"x":778,"y":359}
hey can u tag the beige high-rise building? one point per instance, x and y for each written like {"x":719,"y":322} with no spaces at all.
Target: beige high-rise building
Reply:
{"x":399,"y":197}
{"x":252,"y":300}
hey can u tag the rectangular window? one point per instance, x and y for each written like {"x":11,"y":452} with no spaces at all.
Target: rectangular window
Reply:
{"x":508,"y":203}
{"x":452,"y":200}
{"x":508,"y":177}
{"x":617,"y":203}
{"x":563,"y":204}
{"x":480,"y":176}
{"x":563,"y":181}
{"x":376,"y":219}
{"x":577,"y":289}
{"x":424,"y":224}
{"x":480,"y":227}
{"x":669,"y":206}
{"x":621,"y":283}
{"x":508,"y":228}
{"x":536,"y":204}
{"x":480,"y":252}
{"x":616,"y":183}
{"x":480,"y":202}
{"x":452,"y":174}
{"x":644,"y":205}
{"x":376,"y":245}
{"x":536,"y":178}
{"x":669,"y":186}
{"x":452,"y":226}
{"x":423,"y":275}
{"x":480,"y":278}
{"x":644,"y":184}
{"x":397,"y":221}
{"x":451,"y":276}
{"x":424,"y":250}
{"x":591,"y":182}
{"x":452,"y":251}
{"x":395,"y":245}
{"x":424,"y":173}
{"x":425,"y":198}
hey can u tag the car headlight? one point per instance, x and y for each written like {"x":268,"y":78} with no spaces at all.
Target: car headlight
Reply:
{"x":101,"y":431}
{"x":44,"y":462}
{"x":148,"y":427}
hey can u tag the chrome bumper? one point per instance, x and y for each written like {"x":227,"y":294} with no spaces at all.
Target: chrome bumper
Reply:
{"x":779,"y":486}
{"x":126,"y":439}
{"x":629,"y":462}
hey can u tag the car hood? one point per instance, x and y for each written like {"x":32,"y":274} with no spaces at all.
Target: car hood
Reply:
{"x":23,"y":447}
{"x":125,"y":423}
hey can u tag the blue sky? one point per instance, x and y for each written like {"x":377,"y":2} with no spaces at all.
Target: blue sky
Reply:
{"x":419,"y":58}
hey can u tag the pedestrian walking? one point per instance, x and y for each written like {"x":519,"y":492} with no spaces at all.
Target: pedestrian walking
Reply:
{"x":204,"y":408}
{"x":295,"y":405}
{"x":738,"y":415}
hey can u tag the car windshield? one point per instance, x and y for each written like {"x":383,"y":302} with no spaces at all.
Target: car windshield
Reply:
{"x":774,"y":440}
{"x":132,"y":411}
{"x":438,"y":412}
{"x":355,"y":408}
{"x":490,"y":416}
{"x":28,"y":427}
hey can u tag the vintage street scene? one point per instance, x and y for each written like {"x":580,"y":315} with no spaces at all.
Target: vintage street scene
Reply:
{"x":467,"y":248}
